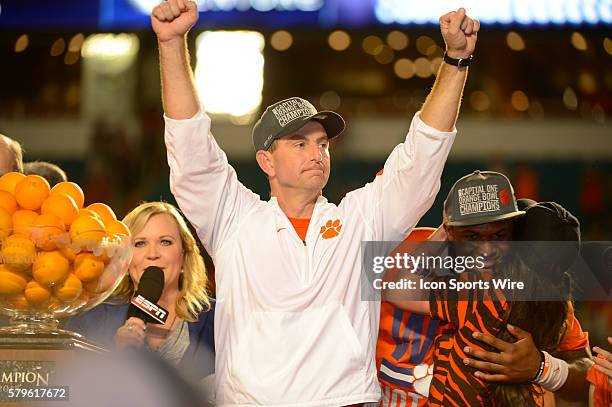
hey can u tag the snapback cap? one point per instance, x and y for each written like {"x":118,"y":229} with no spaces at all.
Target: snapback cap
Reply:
{"x":480,"y":197}
{"x":543,"y":223}
{"x":285,"y":117}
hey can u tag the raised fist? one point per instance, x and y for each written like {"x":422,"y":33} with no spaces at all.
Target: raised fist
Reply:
{"x":460,"y":33}
{"x":173,"y":19}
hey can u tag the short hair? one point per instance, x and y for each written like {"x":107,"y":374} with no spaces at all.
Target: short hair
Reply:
{"x":193,"y":294}
{"x":273,"y":146}
{"x":15,"y":151}
{"x":49,"y":171}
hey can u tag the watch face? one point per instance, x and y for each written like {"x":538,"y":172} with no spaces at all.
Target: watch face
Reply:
{"x":467,"y":61}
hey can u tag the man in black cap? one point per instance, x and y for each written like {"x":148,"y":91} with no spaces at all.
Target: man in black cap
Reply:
{"x":481,"y":212}
{"x":290,"y":323}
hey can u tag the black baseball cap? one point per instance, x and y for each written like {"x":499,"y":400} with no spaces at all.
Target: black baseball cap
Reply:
{"x":285,"y":117}
{"x":548,"y":222}
{"x":480,"y":197}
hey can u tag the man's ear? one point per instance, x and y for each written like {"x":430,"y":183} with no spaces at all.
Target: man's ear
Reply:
{"x":264,"y":159}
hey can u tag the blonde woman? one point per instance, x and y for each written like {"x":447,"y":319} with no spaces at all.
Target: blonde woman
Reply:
{"x":161,"y":238}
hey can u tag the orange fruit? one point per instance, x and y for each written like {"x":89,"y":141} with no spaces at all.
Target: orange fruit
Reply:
{"x":116,"y":227}
{"x":105,"y":283}
{"x":9,"y":180}
{"x":106,"y":255}
{"x":104,"y":211}
{"x":116,"y":231}
{"x":18,"y":252}
{"x":72,"y":190}
{"x":6,"y":223}
{"x":8,"y":202}
{"x":62,"y":206}
{"x":18,"y":302}
{"x":87,"y":231}
{"x":92,"y":286}
{"x":49,"y":232}
{"x":68,"y":252}
{"x":31,"y":192}
{"x":81,"y":301}
{"x":50,"y":268}
{"x":37,"y":294}
{"x":83,"y":298}
{"x":11,"y":283}
{"x":23,"y":221}
{"x":53,"y":304}
{"x":88,"y":212}
{"x":69,"y":289}
{"x":88,"y":267}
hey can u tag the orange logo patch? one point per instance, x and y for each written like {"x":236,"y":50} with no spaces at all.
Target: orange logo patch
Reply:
{"x":331,"y":229}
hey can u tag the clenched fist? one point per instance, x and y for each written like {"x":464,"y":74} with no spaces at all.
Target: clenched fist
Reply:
{"x":460,"y":33}
{"x":173,"y":19}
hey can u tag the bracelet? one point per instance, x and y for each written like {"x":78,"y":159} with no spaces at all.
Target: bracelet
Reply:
{"x":541,"y":369}
{"x":555,"y":373}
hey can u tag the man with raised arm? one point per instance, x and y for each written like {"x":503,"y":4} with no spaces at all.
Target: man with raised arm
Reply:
{"x":291,"y":327}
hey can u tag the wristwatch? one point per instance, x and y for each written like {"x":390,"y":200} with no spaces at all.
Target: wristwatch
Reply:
{"x":461,"y":62}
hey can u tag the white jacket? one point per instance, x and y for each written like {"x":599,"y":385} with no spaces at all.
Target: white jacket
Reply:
{"x":291,"y":328}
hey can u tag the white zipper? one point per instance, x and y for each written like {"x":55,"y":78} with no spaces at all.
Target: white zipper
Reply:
{"x":309,"y":249}
{"x":307,"y":273}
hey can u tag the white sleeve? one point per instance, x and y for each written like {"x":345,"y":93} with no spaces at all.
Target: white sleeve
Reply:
{"x":205,"y":186}
{"x":399,"y":196}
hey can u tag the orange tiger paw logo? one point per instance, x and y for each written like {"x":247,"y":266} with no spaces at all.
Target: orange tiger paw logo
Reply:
{"x":331,"y":229}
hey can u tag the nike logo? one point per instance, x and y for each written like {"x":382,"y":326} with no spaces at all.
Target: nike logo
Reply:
{"x":279,"y":229}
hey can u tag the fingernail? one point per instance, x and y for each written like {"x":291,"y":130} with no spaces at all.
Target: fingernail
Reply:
{"x":478,"y":374}
{"x":476,"y":335}
{"x":596,"y":349}
{"x":466,"y":349}
{"x":510,"y":326}
{"x":466,"y":362}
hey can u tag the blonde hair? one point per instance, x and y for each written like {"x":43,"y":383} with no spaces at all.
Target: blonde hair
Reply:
{"x":15,"y":151}
{"x":193,"y":292}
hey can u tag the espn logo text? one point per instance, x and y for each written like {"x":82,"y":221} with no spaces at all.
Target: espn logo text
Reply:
{"x":153,"y":310}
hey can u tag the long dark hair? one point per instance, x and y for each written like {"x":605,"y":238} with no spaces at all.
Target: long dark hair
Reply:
{"x":542,"y":266}
{"x":547,"y":323}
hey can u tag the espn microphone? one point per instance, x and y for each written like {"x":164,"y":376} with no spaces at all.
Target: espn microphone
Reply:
{"x":143,"y":304}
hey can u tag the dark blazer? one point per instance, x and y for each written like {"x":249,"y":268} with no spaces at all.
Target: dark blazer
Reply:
{"x":100,"y":324}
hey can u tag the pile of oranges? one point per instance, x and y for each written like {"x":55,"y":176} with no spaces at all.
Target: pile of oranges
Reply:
{"x":54,"y":250}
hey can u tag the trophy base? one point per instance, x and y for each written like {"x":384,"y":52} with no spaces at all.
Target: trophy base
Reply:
{"x":31,"y":360}
{"x":59,"y":340}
